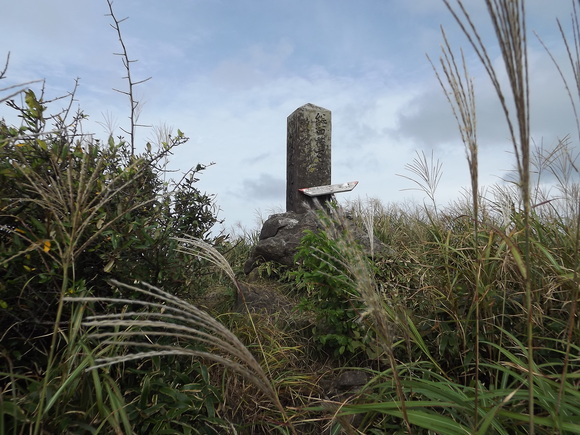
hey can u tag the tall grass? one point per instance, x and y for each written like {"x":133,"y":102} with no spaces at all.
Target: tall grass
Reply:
{"x":471,"y":316}
{"x":71,"y":200}
{"x":502,"y":302}
{"x":461,"y":96}
{"x":509,"y":24}
{"x":69,"y":187}
{"x":193,"y":331}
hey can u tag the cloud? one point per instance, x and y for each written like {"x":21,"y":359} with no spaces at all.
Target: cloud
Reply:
{"x":252,"y":67}
{"x":265,"y":187}
{"x":229,"y":73}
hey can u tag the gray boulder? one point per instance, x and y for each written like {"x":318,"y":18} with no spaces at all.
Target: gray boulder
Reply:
{"x":280,"y":236}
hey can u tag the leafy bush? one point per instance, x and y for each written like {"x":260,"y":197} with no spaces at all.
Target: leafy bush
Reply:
{"x":76,"y":210}
{"x":173,"y":394}
{"x":75,"y":213}
{"x":330,"y":293}
{"x":472,"y":323}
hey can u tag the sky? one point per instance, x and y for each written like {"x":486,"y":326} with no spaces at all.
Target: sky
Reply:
{"x":228,"y":73}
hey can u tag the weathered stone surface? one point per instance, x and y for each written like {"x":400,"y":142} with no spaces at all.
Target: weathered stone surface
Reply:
{"x":344,"y":387}
{"x":276,"y":222}
{"x":308,"y":154}
{"x":280,"y":236}
{"x":266,"y":299}
{"x":344,"y":384}
{"x":351,"y":379}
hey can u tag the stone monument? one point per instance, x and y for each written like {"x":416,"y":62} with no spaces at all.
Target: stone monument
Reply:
{"x":308,"y":155}
{"x":308,"y":170}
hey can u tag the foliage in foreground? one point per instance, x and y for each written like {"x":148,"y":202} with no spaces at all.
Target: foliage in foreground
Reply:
{"x":76,"y":212}
{"x":330,"y":293}
{"x":468,"y":325}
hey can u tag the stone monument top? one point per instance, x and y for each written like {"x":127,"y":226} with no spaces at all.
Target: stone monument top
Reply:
{"x":308,"y":154}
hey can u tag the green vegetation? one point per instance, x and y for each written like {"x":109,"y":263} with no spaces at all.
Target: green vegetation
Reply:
{"x":331,"y":291}
{"x":75,"y":214}
{"x":468,"y":323}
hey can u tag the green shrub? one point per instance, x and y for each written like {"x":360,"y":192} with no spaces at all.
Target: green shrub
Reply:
{"x":74,"y":213}
{"x":173,"y":393}
{"x":330,"y":292}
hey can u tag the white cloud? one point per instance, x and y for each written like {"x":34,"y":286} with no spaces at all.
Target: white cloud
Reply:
{"x":229,"y":73}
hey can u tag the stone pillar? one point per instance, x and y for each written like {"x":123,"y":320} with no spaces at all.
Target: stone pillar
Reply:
{"x":308,"y":154}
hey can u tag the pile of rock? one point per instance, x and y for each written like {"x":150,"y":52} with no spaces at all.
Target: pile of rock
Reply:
{"x":281,"y":235}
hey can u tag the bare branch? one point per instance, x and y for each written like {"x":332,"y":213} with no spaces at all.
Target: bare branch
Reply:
{"x":143,"y":81}
{"x":13,"y":94}
{"x":134,"y":112}
{"x":19,"y":85}
{"x":3,"y":73}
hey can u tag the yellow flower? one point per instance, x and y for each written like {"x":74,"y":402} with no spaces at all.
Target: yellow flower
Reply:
{"x":46,"y":246}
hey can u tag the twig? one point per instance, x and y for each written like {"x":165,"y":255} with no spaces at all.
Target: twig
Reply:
{"x":3,"y":73}
{"x":134,"y":114}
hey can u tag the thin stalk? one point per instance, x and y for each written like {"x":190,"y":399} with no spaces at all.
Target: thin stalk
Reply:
{"x":134,"y":104}
{"x":51,"y":355}
{"x":460,"y":94}
{"x":509,"y":24}
{"x":362,"y":278}
{"x":573,"y":52}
